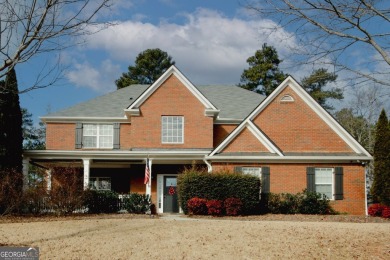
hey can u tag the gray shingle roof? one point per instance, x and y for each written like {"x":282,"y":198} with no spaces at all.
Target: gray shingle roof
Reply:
{"x":233,"y":102}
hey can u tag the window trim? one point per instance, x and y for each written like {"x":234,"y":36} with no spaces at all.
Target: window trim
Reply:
{"x":182,"y":129}
{"x":98,"y":136}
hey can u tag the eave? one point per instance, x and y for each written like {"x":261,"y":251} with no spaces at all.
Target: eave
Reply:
{"x":67,"y":119}
{"x":290,"y":159}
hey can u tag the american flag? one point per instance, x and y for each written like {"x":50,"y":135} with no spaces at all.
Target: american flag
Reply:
{"x":147,"y":172}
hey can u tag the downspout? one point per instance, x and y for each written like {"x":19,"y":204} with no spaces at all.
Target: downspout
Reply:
{"x":209,"y":167}
{"x":365,"y":187}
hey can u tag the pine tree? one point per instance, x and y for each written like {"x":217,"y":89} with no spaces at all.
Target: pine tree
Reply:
{"x":263,"y":74}
{"x":11,"y":136}
{"x":315,"y":85}
{"x":381,"y":184}
{"x":149,"y":66}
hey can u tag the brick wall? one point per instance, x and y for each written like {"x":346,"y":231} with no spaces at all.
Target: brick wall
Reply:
{"x":245,"y":142}
{"x":295,"y":127}
{"x":291,"y":178}
{"x":60,"y":136}
{"x":221,"y":132}
{"x":172,"y":98}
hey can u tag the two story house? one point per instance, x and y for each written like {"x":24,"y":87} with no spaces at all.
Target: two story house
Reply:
{"x":287,"y":139}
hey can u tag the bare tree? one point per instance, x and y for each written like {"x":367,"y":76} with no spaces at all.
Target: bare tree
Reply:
{"x":352,"y":35}
{"x":32,"y":27}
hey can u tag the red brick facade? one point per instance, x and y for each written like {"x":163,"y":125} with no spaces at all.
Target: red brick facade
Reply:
{"x":291,"y":127}
{"x":60,"y":136}
{"x":291,"y":178}
{"x":295,"y":127}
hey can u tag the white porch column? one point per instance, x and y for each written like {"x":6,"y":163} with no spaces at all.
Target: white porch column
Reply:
{"x":149,"y":185}
{"x":86,"y":163}
{"x":48,"y":179}
{"x":26,"y":165}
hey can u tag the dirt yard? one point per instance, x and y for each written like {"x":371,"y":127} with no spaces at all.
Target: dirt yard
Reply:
{"x":268,"y":237}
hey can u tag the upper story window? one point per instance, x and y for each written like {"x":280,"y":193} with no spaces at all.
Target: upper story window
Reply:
{"x":172,"y":129}
{"x":324,"y":181}
{"x":97,"y":136}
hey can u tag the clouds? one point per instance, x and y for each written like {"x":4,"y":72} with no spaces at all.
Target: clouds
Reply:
{"x":98,"y":78}
{"x":208,"y":47}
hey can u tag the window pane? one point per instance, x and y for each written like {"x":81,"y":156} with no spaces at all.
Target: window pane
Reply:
{"x":325,"y":189}
{"x":89,"y":141}
{"x":324,"y":181}
{"x":89,"y":130}
{"x":105,"y":142}
{"x":105,"y":129}
{"x":172,"y":129}
{"x":254,"y":171}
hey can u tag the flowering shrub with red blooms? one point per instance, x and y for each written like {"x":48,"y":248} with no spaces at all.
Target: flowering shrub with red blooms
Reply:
{"x":197,"y":206}
{"x":375,"y":210}
{"x":214,"y":207}
{"x":233,"y":206}
{"x":386,"y":212}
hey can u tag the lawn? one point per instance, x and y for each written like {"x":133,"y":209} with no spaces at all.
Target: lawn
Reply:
{"x":139,"y":237}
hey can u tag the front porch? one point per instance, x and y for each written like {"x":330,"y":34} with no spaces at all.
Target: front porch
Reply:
{"x":123,"y":173}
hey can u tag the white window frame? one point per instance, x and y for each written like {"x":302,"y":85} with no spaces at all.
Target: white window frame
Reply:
{"x":167,"y":130}
{"x":98,"y":135}
{"x":99,"y":183}
{"x":332,"y":184}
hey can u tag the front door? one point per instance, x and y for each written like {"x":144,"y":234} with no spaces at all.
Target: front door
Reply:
{"x":170,"y":204}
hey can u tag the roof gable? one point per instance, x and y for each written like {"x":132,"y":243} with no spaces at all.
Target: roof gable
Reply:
{"x":310,"y":102}
{"x":257,"y":134}
{"x":133,"y":109}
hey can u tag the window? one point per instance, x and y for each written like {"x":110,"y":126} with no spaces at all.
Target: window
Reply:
{"x":327,"y":181}
{"x":324,"y":181}
{"x":100,"y":183}
{"x":251,"y":171}
{"x":97,"y":136}
{"x":172,"y":129}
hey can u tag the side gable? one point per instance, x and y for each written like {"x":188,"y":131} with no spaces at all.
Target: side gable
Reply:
{"x":294,"y":123}
{"x":243,"y":135}
{"x":210,"y":109}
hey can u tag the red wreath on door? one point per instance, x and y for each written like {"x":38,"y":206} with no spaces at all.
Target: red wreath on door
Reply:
{"x":171,"y":191}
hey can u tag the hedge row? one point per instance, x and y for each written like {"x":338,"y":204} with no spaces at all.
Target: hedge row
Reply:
{"x":305,"y":202}
{"x":219,"y":186}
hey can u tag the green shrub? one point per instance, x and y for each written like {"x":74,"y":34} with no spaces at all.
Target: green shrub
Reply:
{"x":314,"y":203}
{"x":101,"y":201}
{"x":301,"y":203}
{"x":137,"y":203}
{"x":290,"y":203}
{"x":218,"y":186}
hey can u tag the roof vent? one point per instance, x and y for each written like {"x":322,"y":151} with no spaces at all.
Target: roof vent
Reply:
{"x":287,"y":98}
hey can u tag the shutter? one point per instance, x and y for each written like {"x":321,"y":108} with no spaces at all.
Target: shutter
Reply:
{"x":79,"y":135}
{"x":116,"y":143}
{"x":338,"y":181}
{"x":238,"y":169}
{"x":311,"y":184}
{"x":265,"y":180}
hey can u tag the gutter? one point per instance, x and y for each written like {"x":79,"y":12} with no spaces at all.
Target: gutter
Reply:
{"x":209,"y":167}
